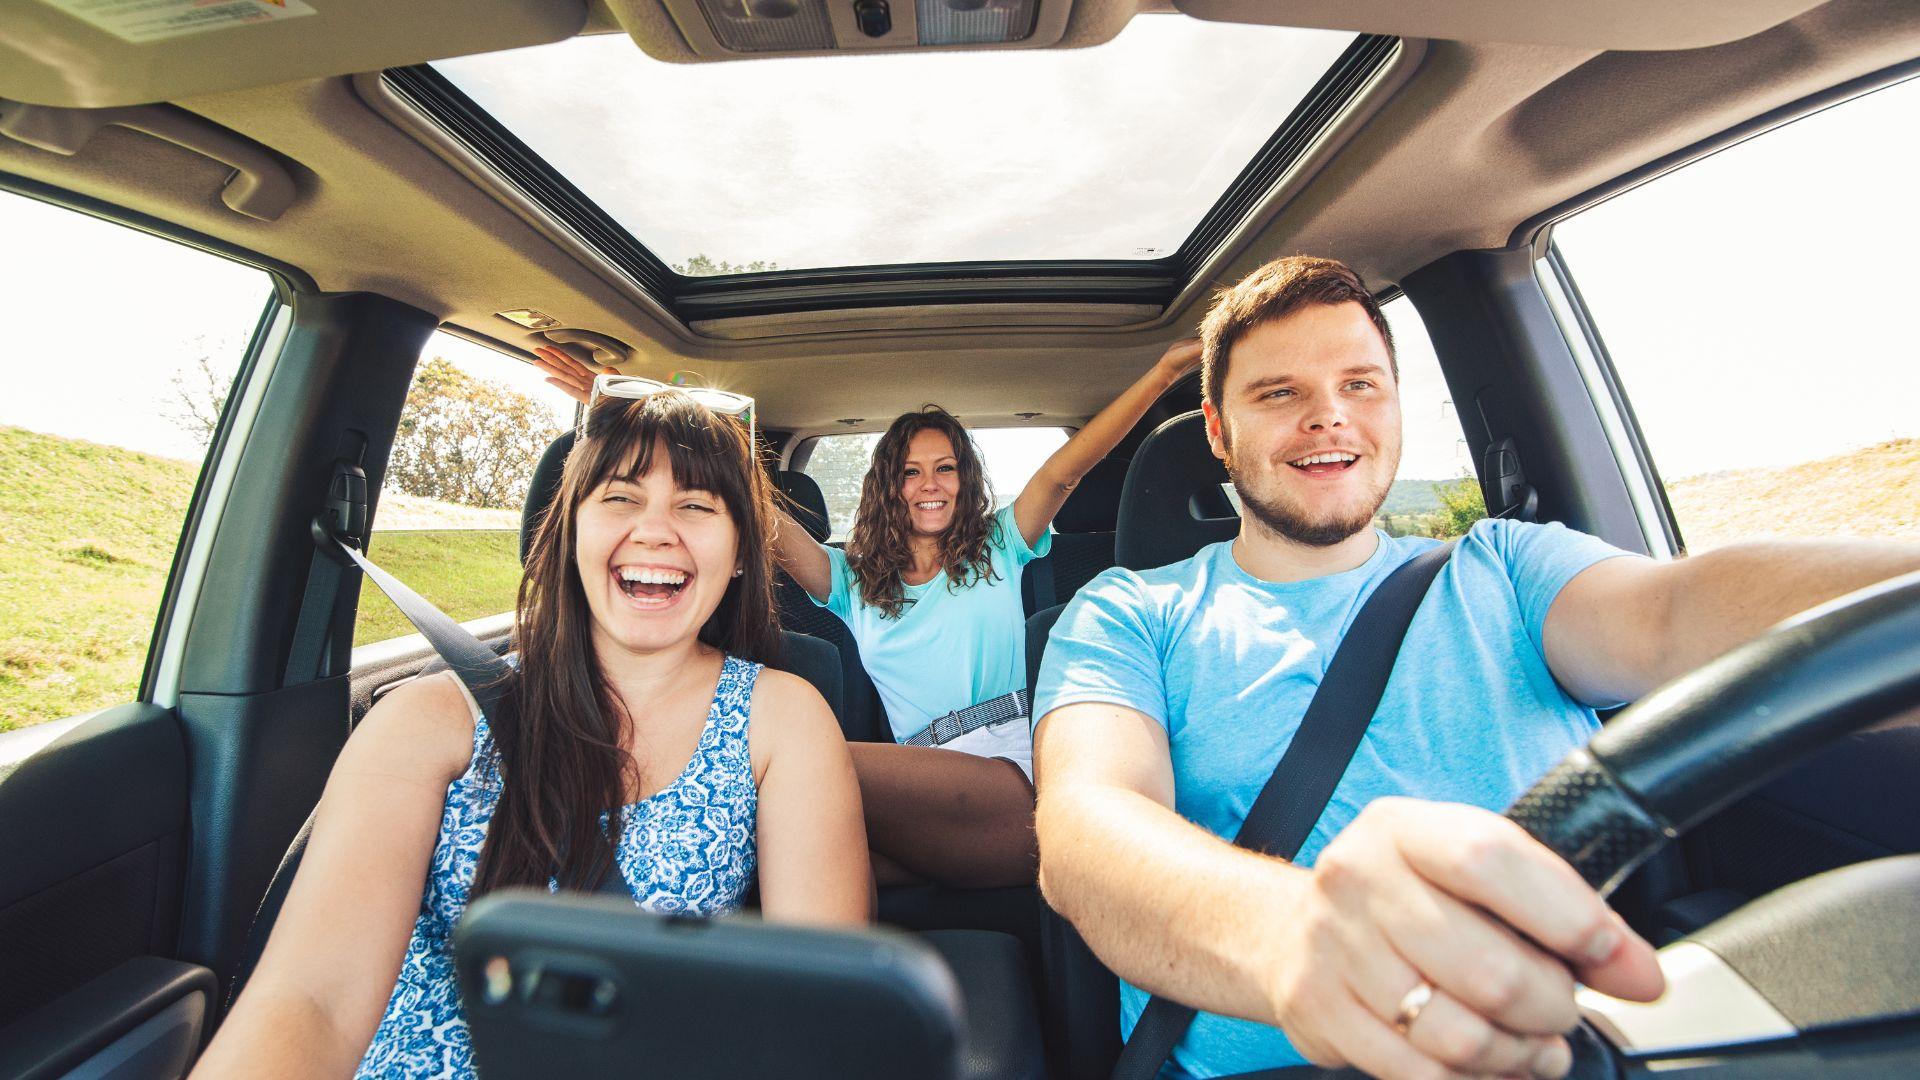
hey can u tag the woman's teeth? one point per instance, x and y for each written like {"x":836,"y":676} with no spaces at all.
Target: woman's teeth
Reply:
{"x":651,"y":582}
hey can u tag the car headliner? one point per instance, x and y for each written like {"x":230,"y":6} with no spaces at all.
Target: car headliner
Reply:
{"x":1502,"y":111}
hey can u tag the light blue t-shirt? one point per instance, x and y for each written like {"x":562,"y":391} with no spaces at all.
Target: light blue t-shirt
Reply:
{"x":1227,"y":663}
{"x":951,"y":647}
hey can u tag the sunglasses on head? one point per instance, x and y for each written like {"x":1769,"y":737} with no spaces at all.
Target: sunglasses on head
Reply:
{"x":635,"y":387}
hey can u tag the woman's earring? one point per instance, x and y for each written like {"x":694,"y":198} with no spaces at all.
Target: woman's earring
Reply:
{"x":738,"y":570}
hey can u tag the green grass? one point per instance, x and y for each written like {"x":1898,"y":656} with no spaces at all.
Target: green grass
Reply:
{"x":87,"y":534}
{"x":86,"y":537}
{"x":466,"y":573}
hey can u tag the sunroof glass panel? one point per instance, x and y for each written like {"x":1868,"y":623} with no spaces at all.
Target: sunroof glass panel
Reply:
{"x":1111,"y":152}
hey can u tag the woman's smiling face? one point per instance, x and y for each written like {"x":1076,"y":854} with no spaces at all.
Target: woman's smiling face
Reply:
{"x":930,"y":483}
{"x":654,"y":558}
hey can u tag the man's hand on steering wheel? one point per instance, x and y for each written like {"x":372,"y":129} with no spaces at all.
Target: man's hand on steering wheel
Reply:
{"x":1438,"y":940}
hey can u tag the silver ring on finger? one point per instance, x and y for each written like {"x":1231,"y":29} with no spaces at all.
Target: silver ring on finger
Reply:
{"x":1411,"y":1005}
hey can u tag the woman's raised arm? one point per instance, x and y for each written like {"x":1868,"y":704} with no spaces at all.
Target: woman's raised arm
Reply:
{"x":801,"y":556}
{"x":1043,"y":496}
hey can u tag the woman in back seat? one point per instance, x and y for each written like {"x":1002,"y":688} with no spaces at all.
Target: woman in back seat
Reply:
{"x":641,"y":750}
{"x":929,"y":586}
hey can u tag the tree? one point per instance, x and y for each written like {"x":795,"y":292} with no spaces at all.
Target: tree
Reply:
{"x":200,"y":393}
{"x":704,"y":266}
{"x":1461,"y":506}
{"x":837,"y":464}
{"x":467,"y":440}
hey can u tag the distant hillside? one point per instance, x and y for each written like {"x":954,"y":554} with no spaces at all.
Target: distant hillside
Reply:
{"x":1870,"y":492}
{"x":1411,"y":497}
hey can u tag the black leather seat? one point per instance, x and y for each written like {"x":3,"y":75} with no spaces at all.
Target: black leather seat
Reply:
{"x":1082,"y":541}
{"x":862,"y":718}
{"x":1172,"y":503}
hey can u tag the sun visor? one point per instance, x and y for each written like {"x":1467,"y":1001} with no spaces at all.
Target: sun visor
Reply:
{"x":98,"y":53}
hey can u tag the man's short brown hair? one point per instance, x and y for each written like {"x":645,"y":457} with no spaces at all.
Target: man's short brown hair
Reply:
{"x":1274,"y":291}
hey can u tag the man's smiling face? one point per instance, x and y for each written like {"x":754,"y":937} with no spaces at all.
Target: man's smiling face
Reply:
{"x":1309,"y":423}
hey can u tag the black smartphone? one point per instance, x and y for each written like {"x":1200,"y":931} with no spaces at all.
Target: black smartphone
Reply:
{"x":591,"y":987}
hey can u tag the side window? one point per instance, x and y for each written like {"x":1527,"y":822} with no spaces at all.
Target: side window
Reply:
{"x":474,"y":427}
{"x":1751,"y":306}
{"x":1011,"y":455}
{"x":118,"y":364}
{"x":1436,"y":492}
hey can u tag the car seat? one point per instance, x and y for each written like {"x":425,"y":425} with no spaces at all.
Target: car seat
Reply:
{"x":861,"y":716}
{"x":1172,"y":503}
{"x":1082,"y":542}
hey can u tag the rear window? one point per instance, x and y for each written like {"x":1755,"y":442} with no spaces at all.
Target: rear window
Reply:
{"x":839,"y":462}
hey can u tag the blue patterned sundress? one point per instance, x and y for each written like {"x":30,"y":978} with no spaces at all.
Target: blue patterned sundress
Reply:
{"x":687,"y":849}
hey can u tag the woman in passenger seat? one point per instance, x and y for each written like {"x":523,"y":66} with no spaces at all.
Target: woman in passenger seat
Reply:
{"x":929,"y":586}
{"x":642,"y":749}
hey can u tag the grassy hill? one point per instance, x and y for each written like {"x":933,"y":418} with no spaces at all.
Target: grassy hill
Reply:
{"x":87,"y":534}
{"x":1870,"y":492}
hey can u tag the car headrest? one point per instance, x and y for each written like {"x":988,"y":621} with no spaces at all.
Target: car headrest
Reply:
{"x":1174,"y":502}
{"x":1094,"y":504}
{"x":808,"y":505}
{"x":543,"y":488}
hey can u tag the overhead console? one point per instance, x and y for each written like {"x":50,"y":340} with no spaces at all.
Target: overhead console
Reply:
{"x":719,"y":29}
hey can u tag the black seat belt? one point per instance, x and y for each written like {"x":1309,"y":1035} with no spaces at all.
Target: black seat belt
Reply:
{"x":1283,"y":814}
{"x":340,"y":532}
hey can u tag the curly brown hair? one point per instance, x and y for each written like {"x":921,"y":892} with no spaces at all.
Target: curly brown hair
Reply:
{"x":880,"y":550}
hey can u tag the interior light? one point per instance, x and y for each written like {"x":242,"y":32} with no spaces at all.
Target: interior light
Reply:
{"x":769,"y":25}
{"x":975,"y":22}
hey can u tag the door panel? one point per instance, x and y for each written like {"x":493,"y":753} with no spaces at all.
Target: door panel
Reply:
{"x":94,"y":850}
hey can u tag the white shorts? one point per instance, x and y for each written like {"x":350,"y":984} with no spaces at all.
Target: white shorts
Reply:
{"x":1012,"y":740}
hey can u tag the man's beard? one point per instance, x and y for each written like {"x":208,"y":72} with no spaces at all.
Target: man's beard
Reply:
{"x":1289,"y":520}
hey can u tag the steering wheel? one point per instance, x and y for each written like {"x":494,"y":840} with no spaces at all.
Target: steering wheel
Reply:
{"x":1784,"y":984}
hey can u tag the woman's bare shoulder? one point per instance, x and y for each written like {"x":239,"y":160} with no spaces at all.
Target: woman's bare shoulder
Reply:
{"x":424,"y":726}
{"x":788,"y":710}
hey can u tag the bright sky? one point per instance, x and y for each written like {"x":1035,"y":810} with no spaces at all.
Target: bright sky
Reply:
{"x":107,"y":318}
{"x":1754,"y":303}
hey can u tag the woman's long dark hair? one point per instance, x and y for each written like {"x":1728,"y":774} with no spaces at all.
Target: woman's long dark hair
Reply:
{"x":563,"y":734}
{"x":880,"y":548}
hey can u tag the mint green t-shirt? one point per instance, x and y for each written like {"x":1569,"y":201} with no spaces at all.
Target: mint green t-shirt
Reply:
{"x":952,"y":646}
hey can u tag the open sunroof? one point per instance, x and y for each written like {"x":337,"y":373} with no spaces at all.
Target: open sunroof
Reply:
{"x":1061,"y":174}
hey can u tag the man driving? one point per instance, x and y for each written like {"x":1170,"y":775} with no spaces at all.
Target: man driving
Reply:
{"x":1417,"y":933}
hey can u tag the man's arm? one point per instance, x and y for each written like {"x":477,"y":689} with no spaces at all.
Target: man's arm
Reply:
{"x":1624,"y":626}
{"x":1328,"y":955}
